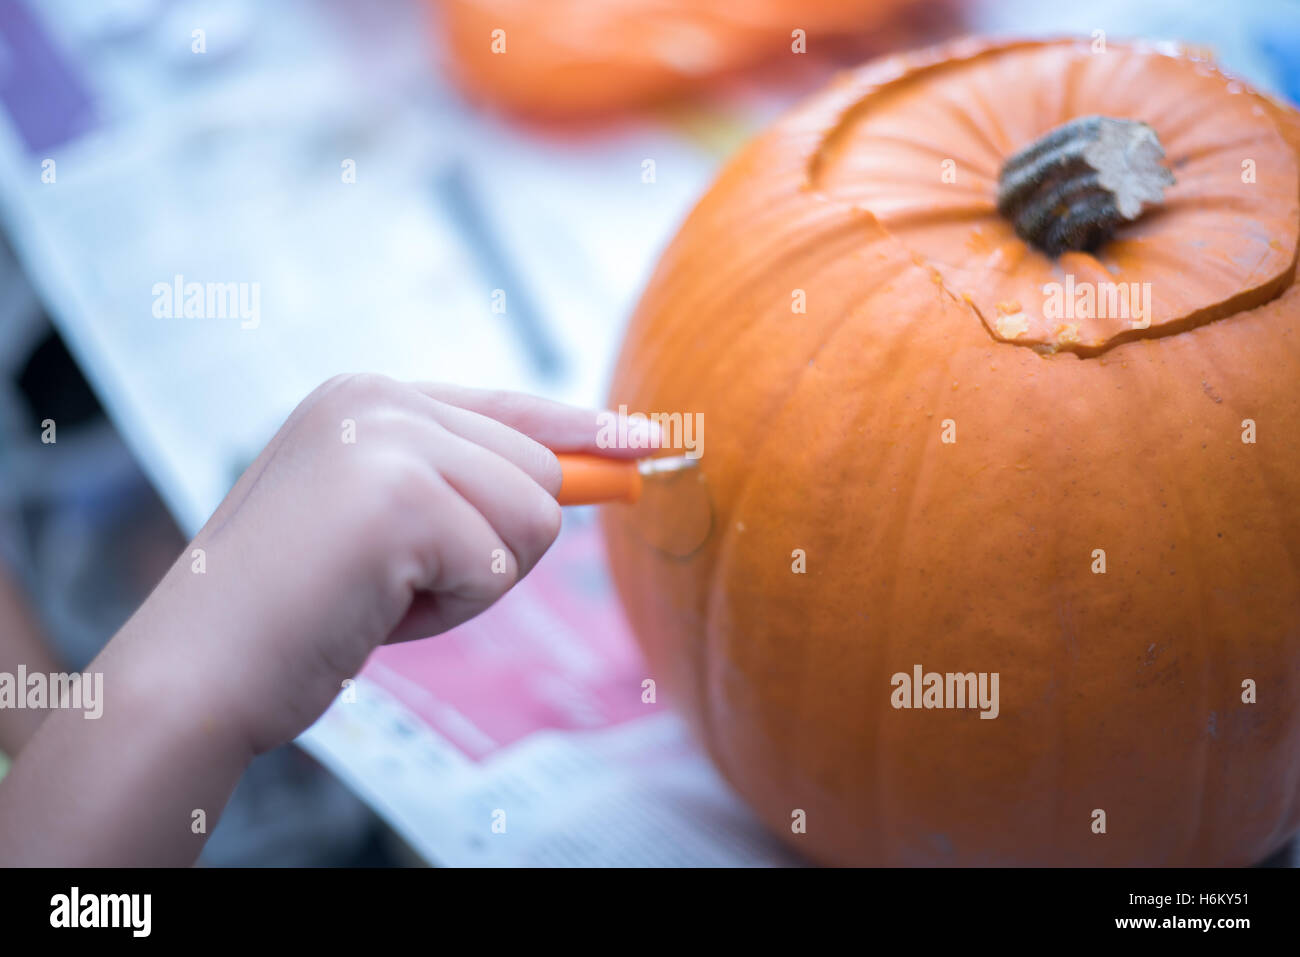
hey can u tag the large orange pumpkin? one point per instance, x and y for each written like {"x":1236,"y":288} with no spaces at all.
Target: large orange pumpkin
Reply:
{"x":1103,"y":510}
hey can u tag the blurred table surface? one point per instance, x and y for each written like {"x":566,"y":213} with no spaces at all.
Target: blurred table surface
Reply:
{"x":226,"y":166}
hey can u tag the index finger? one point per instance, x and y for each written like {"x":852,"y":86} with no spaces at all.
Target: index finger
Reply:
{"x":560,"y":427}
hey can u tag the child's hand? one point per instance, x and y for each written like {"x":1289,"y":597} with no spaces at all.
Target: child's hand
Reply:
{"x":381,"y":511}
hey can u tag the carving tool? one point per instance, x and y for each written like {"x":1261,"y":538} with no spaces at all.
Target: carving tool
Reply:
{"x":593,"y":479}
{"x":672,"y":509}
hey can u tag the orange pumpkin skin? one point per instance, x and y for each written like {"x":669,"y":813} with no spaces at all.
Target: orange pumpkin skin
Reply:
{"x":1119,"y":691}
{"x":579,"y":58}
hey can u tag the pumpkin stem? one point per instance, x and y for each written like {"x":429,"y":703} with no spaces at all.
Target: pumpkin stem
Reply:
{"x":1075,"y":186}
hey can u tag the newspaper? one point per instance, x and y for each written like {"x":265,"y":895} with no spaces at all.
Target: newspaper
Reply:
{"x":522,"y":738}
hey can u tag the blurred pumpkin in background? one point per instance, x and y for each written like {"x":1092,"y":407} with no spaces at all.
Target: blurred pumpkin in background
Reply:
{"x":935,"y":440}
{"x":574,"y":58}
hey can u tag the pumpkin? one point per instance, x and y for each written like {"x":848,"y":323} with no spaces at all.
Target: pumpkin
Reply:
{"x":937,"y":445}
{"x":583,"y":57}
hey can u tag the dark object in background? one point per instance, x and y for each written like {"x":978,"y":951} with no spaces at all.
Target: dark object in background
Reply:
{"x":54,"y":388}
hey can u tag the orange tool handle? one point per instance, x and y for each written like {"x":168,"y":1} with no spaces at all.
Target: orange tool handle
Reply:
{"x":591,"y":479}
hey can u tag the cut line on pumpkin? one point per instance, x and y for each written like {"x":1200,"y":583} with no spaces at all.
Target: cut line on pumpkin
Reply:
{"x":685,"y":499}
{"x":1238,"y":305}
{"x":864,"y":158}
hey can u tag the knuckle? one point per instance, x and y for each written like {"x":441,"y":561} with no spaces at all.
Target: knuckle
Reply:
{"x":486,"y":581}
{"x":406,"y":485}
{"x":367,"y":385}
{"x":385,"y":492}
{"x":547,"y":466}
{"x":550,"y":517}
{"x":327,"y":389}
{"x":539,"y":529}
{"x":497,"y":585}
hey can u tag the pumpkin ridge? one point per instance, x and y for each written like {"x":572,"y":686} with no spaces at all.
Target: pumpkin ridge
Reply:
{"x":1206,"y":649}
{"x":928,"y":146}
{"x":923,"y":467}
{"x":973,"y":125}
{"x":847,"y":231}
{"x":771,"y":447}
{"x":1207,"y":150}
{"x":813,"y":237}
{"x":1210,"y":800}
{"x":768,"y":448}
{"x":866,"y":83}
